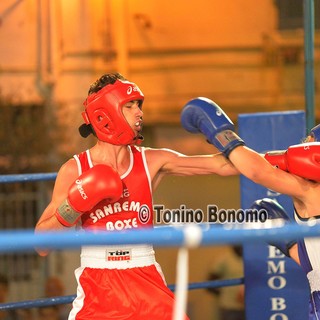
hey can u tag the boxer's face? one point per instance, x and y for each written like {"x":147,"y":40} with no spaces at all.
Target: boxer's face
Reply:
{"x":133,"y":113}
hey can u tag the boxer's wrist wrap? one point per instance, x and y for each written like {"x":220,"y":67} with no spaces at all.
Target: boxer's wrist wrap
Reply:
{"x":228,"y":140}
{"x":226,"y":136}
{"x":66,"y":215}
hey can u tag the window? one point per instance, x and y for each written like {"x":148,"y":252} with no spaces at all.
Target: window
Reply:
{"x":291,"y":14}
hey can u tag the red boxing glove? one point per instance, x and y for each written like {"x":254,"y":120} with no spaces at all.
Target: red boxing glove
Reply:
{"x":98,"y":183}
{"x":302,"y":160}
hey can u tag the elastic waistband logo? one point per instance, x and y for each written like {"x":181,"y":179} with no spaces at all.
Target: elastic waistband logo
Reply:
{"x":118,"y":255}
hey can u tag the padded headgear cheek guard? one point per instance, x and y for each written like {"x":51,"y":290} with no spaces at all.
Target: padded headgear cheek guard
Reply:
{"x":103,"y":110}
{"x":315,"y":133}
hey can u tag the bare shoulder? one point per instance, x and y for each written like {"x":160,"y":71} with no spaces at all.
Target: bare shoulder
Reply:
{"x":157,"y":161}
{"x":67,"y":174}
{"x":162,"y":154}
{"x":69,"y":168}
{"x":158,"y":158}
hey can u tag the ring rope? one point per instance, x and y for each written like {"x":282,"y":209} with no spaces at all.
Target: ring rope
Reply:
{"x":24,"y":240}
{"x":10,"y":178}
{"x":161,"y":236}
{"x":45,"y":302}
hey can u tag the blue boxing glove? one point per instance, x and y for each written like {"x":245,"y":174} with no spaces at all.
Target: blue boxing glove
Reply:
{"x":275,"y":211}
{"x":205,"y":116}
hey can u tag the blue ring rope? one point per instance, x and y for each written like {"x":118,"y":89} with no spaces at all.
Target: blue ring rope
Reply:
{"x":10,"y":178}
{"x":24,"y":240}
{"x":45,"y":302}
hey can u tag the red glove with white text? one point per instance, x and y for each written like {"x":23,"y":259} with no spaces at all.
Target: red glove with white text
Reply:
{"x":302,"y":160}
{"x":98,"y":183}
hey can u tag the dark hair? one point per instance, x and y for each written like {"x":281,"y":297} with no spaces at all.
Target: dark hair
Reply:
{"x":109,"y":78}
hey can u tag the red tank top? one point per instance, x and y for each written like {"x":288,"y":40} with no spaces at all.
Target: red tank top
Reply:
{"x":134,"y":209}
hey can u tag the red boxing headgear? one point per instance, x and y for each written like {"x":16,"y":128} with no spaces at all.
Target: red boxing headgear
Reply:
{"x":103,"y":110}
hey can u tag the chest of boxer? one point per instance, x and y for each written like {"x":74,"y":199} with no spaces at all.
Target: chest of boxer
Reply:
{"x":134,"y":208}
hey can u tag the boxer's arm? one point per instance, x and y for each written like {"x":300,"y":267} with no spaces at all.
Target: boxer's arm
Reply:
{"x":67,"y":174}
{"x":48,"y":221}
{"x":170,"y":162}
{"x":71,"y":199}
{"x":98,"y":183}
{"x":162,"y":162}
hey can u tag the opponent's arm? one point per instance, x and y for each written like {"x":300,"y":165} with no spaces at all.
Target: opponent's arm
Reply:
{"x":279,"y":217}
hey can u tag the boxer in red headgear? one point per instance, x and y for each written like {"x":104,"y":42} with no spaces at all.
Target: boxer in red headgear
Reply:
{"x":103,"y":111}
{"x":109,"y":187}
